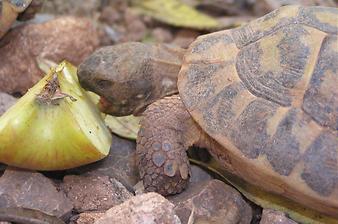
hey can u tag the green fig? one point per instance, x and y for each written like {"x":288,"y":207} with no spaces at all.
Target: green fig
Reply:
{"x":54,"y":126}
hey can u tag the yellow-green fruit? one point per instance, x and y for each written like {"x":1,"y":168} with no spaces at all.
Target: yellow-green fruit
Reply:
{"x":54,"y":132}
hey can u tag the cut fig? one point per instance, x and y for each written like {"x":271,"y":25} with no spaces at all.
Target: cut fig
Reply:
{"x":54,"y":126}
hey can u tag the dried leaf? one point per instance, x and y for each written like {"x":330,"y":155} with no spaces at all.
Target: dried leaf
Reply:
{"x":177,"y":13}
{"x":126,"y":127}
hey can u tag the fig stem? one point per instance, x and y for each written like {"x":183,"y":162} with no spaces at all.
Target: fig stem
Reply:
{"x":51,"y":92}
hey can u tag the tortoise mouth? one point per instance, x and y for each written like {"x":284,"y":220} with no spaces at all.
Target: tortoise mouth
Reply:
{"x":116,"y":110}
{"x":107,"y":107}
{"x":140,"y":109}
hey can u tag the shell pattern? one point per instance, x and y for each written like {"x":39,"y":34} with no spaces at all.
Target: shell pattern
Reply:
{"x":267,"y":92}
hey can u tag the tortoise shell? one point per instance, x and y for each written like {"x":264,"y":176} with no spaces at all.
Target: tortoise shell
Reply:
{"x":267,"y":92}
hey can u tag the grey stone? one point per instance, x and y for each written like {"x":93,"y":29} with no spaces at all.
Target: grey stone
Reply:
{"x":270,"y":216}
{"x":20,"y":188}
{"x":27,"y":216}
{"x":198,"y":175}
{"x":88,"y":217}
{"x":162,"y":35}
{"x":119,"y":164}
{"x":76,"y":7}
{"x":23,"y":46}
{"x":90,"y":193}
{"x":211,"y":202}
{"x":6,"y":101}
{"x":184,"y":38}
{"x":150,"y":208}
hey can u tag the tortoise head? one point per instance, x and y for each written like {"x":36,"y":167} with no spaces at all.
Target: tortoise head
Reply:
{"x":130,"y":76}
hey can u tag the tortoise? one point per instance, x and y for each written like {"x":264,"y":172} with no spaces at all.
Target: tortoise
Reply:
{"x":262,"y":98}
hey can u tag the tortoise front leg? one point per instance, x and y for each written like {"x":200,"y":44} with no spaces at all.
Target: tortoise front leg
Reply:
{"x":167,"y":130}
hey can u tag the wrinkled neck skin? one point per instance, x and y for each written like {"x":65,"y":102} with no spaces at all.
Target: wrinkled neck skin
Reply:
{"x":166,"y":63}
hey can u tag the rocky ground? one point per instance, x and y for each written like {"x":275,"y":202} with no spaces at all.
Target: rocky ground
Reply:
{"x":105,"y":192}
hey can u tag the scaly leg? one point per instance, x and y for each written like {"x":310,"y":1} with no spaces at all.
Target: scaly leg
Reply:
{"x":167,"y":130}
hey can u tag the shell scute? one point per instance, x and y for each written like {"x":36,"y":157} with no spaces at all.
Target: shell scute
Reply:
{"x":320,"y":100}
{"x":205,"y":69}
{"x":278,"y":66}
{"x":219,"y":114}
{"x":249,"y":131}
{"x":273,"y":103}
{"x":265,"y":25}
{"x":321,"y":18}
{"x":321,"y":164}
{"x":284,"y":144}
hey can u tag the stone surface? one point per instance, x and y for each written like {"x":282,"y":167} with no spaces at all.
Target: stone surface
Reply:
{"x":136,"y":30}
{"x":6,"y":101}
{"x":74,"y":7}
{"x":213,"y":202}
{"x":90,"y":193}
{"x":198,"y":175}
{"x":22,"y":215}
{"x":64,"y":38}
{"x":150,"y":208}
{"x":110,"y":15}
{"x":270,"y":216}
{"x":162,"y":35}
{"x":119,"y":164}
{"x":184,"y":38}
{"x":87,"y":217}
{"x":19,"y":188}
